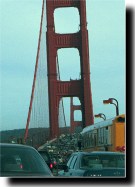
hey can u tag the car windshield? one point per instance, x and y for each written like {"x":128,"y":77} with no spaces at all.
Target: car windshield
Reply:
{"x":21,"y":161}
{"x":103,"y":161}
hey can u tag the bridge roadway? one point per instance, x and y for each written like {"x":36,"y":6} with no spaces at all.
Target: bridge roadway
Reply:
{"x":61,"y":148}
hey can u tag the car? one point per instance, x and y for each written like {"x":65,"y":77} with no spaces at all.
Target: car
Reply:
{"x":21,"y":160}
{"x":46,"y":156}
{"x":94,"y":164}
{"x":54,"y":161}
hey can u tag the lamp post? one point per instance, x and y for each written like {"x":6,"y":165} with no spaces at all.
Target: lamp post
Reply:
{"x":110,"y":101}
{"x":100,"y":115}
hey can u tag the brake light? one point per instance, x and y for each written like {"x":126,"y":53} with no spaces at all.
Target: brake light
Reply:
{"x":21,"y":166}
{"x":54,"y":162}
{"x":123,"y":148}
{"x":51,"y":166}
{"x":120,"y":148}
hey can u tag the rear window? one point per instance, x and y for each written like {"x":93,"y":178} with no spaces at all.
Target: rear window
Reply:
{"x":103,"y":161}
{"x":22,"y":160}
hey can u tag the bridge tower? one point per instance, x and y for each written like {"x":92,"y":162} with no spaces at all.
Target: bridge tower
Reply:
{"x":74,"y":88}
{"x":74,"y":124}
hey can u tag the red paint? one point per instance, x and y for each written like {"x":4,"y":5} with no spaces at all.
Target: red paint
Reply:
{"x":73,"y":88}
{"x":73,"y":123}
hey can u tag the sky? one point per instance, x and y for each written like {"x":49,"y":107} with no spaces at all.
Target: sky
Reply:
{"x":20,"y":22}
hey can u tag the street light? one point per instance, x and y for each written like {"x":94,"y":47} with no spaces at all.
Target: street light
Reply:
{"x":100,"y":115}
{"x":110,"y":101}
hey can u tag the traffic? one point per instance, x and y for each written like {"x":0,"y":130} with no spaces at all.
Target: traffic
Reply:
{"x":97,"y":151}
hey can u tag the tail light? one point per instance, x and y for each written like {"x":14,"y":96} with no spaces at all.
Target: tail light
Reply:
{"x":120,"y":148}
{"x":123,"y":148}
{"x":21,"y":166}
{"x":51,"y":165}
{"x":54,"y":162}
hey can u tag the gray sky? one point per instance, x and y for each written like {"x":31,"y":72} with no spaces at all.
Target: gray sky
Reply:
{"x":20,"y":21}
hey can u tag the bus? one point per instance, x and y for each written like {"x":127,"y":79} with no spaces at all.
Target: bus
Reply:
{"x":108,"y":135}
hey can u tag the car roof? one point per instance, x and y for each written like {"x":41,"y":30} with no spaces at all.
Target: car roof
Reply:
{"x":98,"y":153}
{"x":16,"y":145}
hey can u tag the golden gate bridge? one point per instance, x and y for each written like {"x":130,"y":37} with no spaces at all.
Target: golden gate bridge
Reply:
{"x":46,"y":116}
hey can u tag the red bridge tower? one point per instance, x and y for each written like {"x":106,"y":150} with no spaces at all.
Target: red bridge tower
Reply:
{"x":73,"y":88}
{"x":74,"y":124}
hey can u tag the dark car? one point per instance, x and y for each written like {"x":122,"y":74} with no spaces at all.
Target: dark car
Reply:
{"x":21,"y":160}
{"x":46,"y":156}
{"x":95,"y":164}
